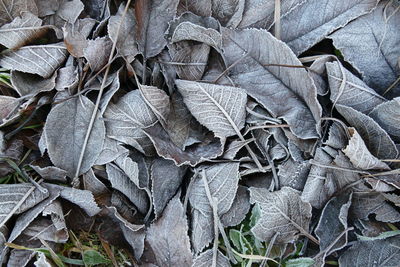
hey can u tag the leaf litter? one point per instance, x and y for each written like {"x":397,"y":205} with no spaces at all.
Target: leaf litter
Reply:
{"x":199,"y":133}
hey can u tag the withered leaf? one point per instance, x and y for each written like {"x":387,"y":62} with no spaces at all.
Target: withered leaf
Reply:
{"x":10,"y":9}
{"x":168,"y":236}
{"x":376,"y":139}
{"x":126,"y":119}
{"x":65,"y":130}
{"x":22,"y":30}
{"x":97,"y":52}
{"x":166,"y":178}
{"x":205,"y":259}
{"x":152,"y":19}
{"x":386,"y":115}
{"x":239,"y":209}
{"x":31,"y":84}
{"x":220,"y":108}
{"x":377,"y":62}
{"x":354,"y":92}
{"x":251,"y":53}
{"x":282,"y":212}
{"x":36,"y":59}
{"x":301,"y":34}
{"x":228,"y":12}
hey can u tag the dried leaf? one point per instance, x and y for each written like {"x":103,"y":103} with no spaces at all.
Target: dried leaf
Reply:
{"x":220,"y":108}
{"x":97,"y":52}
{"x":31,"y":84}
{"x":75,"y":36}
{"x":294,"y":174}
{"x":365,"y":203}
{"x":301,"y":34}
{"x":228,"y":12}
{"x":65,"y":130}
{"x":386,"y":115}
{"x":17,"y":198}
{"x":222,"y":181}
{"x":377,"y":62}
{"x":51,"y":173}
{"x":193,"y":155}
{"x":120,"y":181}
{"x":22,"y":30}
{"x":198,"y":7}
{"x":260,"y":13}
{"x":94,"y":185}
{"x":112,"y":149}
{"x":152,"y":19}
{"x":282,"y":212}
{"x":375,"y":138}
{"x":36,"y":59}
{"x":127,"y":118}
{"x":205,"y":259}
{"x":354,"y":93}
{"x":380,"y":252}
{"x":82,"y":198}
{"x":70,"y":10}
{"x":239,"y":209}
{"x":332,"y":224}
{"x":359,"y":155}
{"x":126,"y":42}
{"x":166,"y":178}
{"x":168,"y":236}
{"x":10,"y":9}
{"x":157,"y":100}
{"x":42,"y":261}
{"x":275,"y":87}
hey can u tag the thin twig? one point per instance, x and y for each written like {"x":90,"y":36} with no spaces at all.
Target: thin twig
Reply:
{"x":277,"y":17}
{"x":75,"y":181}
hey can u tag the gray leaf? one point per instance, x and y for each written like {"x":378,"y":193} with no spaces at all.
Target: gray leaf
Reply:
{"x":75,"y":36}
{"x":8,"y":106}
{"x":359,"y":155}
{"x":198,"y":7}
{"x":220,"y":108}
{"x":120,"y":181}
{"x":31,"y":84}
{"x":152,"y":24}
{"x":22,"y":30}
{"x":168,"y":236}
{"x":28,"y":216}
{"x":134,"y":234}
{"x":323,"y":17}
{"x":354,"y":92}
{"x":65,"y":130}
{"x":239,"y":209}
{"x":20,"y":196}
{"x":282,"y":212}
{"x":166,"y":178}
{"x":193,"y":57}
{"x":377,"y":253}
{"x":97,"y":52}
{"x":44,"y":228}
{"x":190,"y":27}
{"x":127,"y":118}
{"x":42,"y":261}
{"x":157,"y":100}
{"x":365,"y":203}
{"x":228,"y":12}
{"x":377,"y":62}
{"x":193,"y":155}
{"x":387,"y":116}
{"x":205,"y":259}
{"x":332,"y":223}
{"x":36,"y":59}
{"x":111,"y":150}
{"x":317,"y":72}
{"x":222,"y":181}
{"x":233,"y":148}
{"x":94,"y":185}
{"x":129,"y":167}
{"x":82,"y":198}
{"x":70,"y":10}
{"x":249,"y":52}
{"x":178,"y":122}
{"x":51,"y":173}
{"x":337,"y":137}
{"x":67,"y":78}
{"x":126,"y":42}
{"x":293,"y":174}
{"x":10,"y":9}
{"x":260,"y":13}
{"x":376,"y":139}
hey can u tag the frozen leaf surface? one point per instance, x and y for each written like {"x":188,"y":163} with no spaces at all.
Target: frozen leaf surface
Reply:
{"x":205,"y":259}
{"x":65,"y":130}
{"x":36,"y":59}
{"x":253,"y":55}
{"x":10,"y":9}
{"x":168,"y":236}
{"x":282,"y":212}
{"x":387,"y":115}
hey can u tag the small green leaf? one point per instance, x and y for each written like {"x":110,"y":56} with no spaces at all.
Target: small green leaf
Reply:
{"x":300,"y":262}
{"x":92,"y":257}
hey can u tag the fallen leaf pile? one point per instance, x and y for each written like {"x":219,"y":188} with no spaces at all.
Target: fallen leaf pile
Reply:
{"x":200,"y":132}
